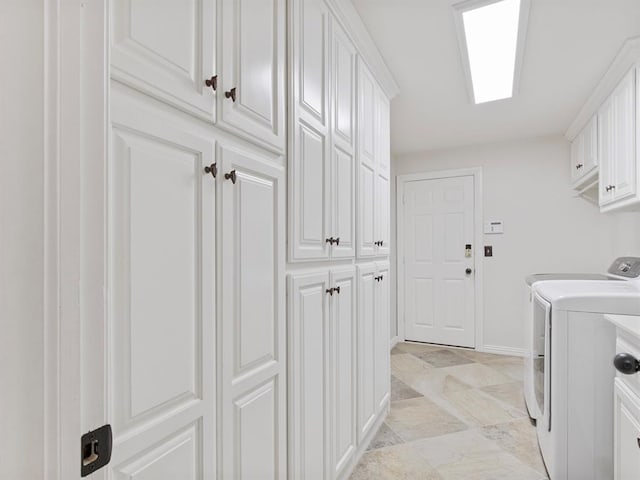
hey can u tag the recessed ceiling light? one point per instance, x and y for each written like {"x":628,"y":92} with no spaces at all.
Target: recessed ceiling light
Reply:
{"x":492,"y":37}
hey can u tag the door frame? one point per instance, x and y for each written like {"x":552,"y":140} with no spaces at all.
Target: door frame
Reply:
{"x":401,"y":182}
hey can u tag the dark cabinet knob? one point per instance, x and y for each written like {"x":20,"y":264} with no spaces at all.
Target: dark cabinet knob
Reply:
{"x":626,"y":363}
{"x":231,"y":176}
{"x":579,"y":166}
{"x":337,"y":290}
{"x":231,"y":94}
{"x":468,"y":271}
{"x":329,"y":240}
{"x":329,"y":291}
{"x":212,"y":169}
{"x":212,"y":82}
{"x":337,"y":241}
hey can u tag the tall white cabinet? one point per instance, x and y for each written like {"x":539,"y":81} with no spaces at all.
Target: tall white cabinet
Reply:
{"x":338,"y":218}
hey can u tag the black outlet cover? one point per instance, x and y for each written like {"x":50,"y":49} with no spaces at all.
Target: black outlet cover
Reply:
{"x":488,"y":251}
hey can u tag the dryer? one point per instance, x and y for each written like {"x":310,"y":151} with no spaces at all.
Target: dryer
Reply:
{"x":574,"y":385}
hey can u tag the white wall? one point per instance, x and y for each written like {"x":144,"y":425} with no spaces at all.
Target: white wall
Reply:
{"x":526,"y":185}
{"x":21,"y":240}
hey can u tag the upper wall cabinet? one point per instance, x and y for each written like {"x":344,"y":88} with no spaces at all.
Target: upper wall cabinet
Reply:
{"x":584,"y":154}
{"x":322,"y":136}
{"x":234,"y":79}
{"x":253,"y":69}
{"x":617,"y":143}
{"x":373,"y":167}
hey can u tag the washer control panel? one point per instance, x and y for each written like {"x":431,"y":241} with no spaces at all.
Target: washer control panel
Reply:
{"x":628,"y":267}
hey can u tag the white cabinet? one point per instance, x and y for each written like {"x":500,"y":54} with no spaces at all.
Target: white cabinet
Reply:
{"x":322,"y":165}
{"x":253,"y":68}
{"x":252,"y":338}
{"x":626,"y":432}
{"x":234,"y":78}
{"x":322,"y":340}
{"x":584,"y":154}
{"x":373,"y":344}
{"x":373,"y":167}
{"x":617,"y":135}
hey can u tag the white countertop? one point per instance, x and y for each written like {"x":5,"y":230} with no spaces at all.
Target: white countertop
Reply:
{"x":628,"y":323}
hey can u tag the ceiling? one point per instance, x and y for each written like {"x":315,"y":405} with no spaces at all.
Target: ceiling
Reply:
{"x":569,"y":46}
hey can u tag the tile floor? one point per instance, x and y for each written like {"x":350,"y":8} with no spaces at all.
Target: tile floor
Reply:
{"x":456,"y":414}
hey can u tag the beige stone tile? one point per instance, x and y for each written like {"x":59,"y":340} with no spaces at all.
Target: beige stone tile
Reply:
{"x":384,"y":437}
{"x":432,"y":381}
{"x":518,"y":438}
{"x":511,"y":366}
{"x":399,"y":462}
{"x":510,"y":393}
{"x":405,"y":362}
{"x":478,"y":356}
{"x":444,"y":358}
{"x":421,"y":418}
{"x":477,"y":375}
{"x":470,"y":456}
{"x":417,"y":348}
{"x":401,"y":391}
{"x":478,"y":408}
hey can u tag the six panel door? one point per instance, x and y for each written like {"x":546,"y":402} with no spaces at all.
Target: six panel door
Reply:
{"x":309,"y":400}
{"x":172,"y":68}
{"x":160,"y":393}
{"x":344,"y":368}
{"x":252,"y":338}
{"x":253,"y":67}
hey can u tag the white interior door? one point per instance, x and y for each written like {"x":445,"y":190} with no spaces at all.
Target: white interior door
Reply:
{"x":159,"y":390}
{"x":252,"y":328}
{"x":439,"y":287}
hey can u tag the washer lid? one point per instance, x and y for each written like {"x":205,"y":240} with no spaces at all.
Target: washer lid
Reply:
{"x":542,"y":277}
{"x":591,"y":296}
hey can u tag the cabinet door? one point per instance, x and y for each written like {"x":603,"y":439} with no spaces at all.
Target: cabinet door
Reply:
{"x":367,"y":405}
{"x":606,"y":150}
{"x":382,"y":336}
{"x":626,"y":433}
{"x":366,"y":210}
{"x":590,"y":146}
{"x":343,"y":348}
{"x":161,"y":383}
{"x":343,"y":165}
{"x":624,"y":176}
{"x":383,"y":206}
{"x":577,"y":157}
{"x":383,"y":135}
{"x":309,"y":161}
{"x":170,"y":57}
{"x":253,"y":66}
{"x":252,"y":331}
{"x":309,"y":387}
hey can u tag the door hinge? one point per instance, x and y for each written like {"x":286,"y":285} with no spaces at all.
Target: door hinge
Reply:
{"x":95,"y":450}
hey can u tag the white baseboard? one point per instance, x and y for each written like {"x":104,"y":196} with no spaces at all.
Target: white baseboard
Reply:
{"x":515,"y":352}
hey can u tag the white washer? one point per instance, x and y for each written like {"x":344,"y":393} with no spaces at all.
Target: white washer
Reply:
{"x":534,"y":338}
{"x":574,"y":389}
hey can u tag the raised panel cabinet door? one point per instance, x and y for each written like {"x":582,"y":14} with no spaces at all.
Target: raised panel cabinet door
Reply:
{"x":577,"y":156}
{"x":383,"y":206}
{"x":366,"y":210}
{"x":591,"y":145}
{"x":367,"y":101}
{"x":310,"y":147}
{"x":626,"y":433}
{"x":309,"y":387}
{"x":252,"y":330}
{"x":170,"y":58}
{"x":382,"y":336}
{"x":343,"y":174}
{"x":383,"y":135}
{"x":625,"y":138}
{"x":160,"y":388}
{"x":252,"y":102}
{"x":606,"y":150}
{"x":343,"y":93}
{"x":344,"y":364}
{"x":367,"y":406}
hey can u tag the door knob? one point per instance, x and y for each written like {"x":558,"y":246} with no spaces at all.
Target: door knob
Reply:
{"x":231,"y":94}
{"x":468,"y":271}
{"x":626,"y":363}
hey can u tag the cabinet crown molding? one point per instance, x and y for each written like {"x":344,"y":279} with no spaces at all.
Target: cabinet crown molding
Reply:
{"x":627,"y":57}
{"x":353,"y":25}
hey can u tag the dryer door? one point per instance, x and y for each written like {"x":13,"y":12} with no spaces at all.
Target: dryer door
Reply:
{"x":541,"y":345}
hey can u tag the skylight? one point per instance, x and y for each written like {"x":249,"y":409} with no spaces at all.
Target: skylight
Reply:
{"x":491,"y":34}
